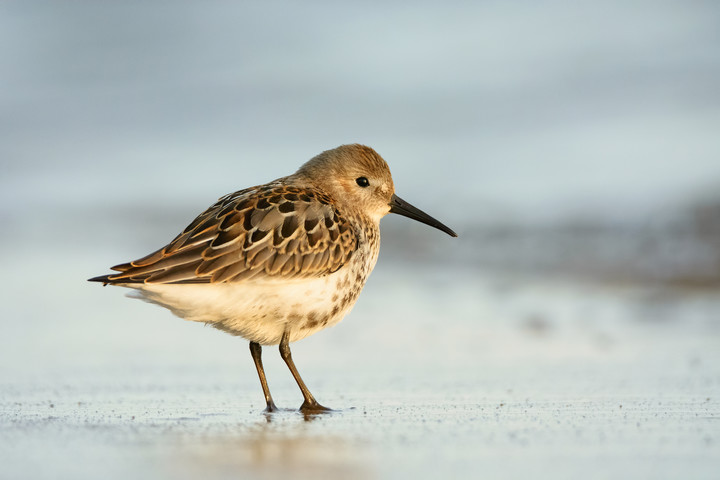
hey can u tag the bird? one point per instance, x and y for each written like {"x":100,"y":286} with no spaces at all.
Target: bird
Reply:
{"x":277,"y":262}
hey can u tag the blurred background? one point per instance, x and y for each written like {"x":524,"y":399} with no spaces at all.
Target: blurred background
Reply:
{"x":574,"y":146}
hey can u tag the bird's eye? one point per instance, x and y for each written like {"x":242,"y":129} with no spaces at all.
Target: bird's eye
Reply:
{"x":362,"y":181}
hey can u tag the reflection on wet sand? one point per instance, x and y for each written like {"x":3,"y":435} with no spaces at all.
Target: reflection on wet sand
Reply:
{"x":276,"y":446}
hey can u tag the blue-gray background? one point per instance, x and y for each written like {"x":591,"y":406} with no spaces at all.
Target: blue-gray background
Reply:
{"x":537,"y":107}
{"x":575,"y":146}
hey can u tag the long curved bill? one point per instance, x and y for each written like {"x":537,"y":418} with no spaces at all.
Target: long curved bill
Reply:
{"x":401,"y":207}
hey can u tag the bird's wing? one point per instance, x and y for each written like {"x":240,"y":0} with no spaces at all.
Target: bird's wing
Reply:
{"x":267,"y":231}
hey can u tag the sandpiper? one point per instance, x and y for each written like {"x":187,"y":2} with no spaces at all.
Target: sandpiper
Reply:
{"x":277,"y":262}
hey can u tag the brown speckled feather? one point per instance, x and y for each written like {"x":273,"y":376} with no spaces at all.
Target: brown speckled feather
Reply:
{"x":266,"y":231}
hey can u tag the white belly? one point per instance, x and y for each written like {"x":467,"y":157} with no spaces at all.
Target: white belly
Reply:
{"x":261,"y":311}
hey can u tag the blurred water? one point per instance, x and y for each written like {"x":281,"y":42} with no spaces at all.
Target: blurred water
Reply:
{"x":573,"y":145}
{"x":526,"y":109}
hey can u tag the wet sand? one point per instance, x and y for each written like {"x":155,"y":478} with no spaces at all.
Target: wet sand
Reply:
{"x":434,"y":374}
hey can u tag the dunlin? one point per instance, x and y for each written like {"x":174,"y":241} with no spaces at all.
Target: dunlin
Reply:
{"x":278,"y":262}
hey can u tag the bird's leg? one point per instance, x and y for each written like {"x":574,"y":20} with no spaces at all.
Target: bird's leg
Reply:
{"x":256,"y":352}
{"x":310,"y":405}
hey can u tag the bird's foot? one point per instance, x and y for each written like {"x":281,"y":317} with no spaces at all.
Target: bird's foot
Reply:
{"x":314,"y":408}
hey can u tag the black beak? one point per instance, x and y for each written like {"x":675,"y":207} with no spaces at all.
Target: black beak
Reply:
{"x":401,"y":207}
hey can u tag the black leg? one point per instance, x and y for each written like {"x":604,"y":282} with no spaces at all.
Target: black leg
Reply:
{"x":310,"y":405}
{"x":256,"y":352}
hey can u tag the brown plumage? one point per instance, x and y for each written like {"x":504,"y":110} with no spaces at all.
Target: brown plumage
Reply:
{"x":267,"y":230}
